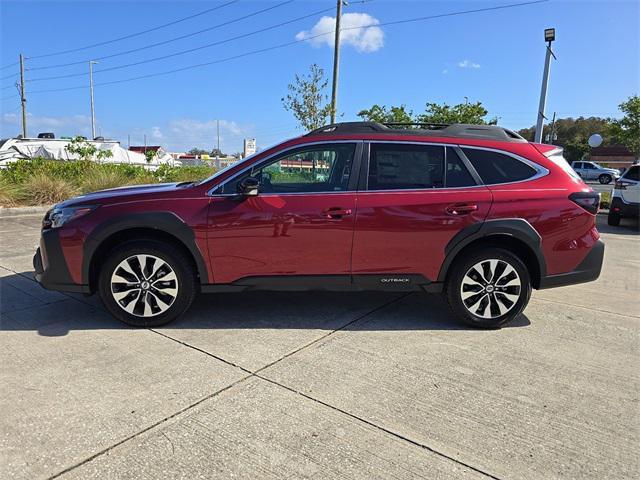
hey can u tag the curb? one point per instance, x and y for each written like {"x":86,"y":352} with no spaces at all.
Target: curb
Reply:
{"x":17,"y":211}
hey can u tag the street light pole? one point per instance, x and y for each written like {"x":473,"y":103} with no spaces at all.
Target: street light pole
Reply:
{"x":93,"y":115}
{"x":336,"y":63}
{"x":549,"y":36}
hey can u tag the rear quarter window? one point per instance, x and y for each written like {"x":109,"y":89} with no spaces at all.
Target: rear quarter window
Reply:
{"x":494,"y":167}
{"x":633,"y":173}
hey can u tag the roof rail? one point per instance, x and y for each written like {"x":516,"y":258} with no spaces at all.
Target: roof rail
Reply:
{"x":456,"y":130}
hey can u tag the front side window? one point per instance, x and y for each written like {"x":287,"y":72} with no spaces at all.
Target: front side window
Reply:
{"x":405,"y":166}
{"x":494,"y":167}
{"x":317,"y":168}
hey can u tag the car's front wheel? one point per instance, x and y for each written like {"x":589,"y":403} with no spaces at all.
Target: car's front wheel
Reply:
{"x":488,"y":288}
{"x":146,"y":283}
{"x":605,"y":179}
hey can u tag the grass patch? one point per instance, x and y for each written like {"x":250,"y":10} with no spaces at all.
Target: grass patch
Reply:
{"x":40,"y":181}
{"x":41,"y":189}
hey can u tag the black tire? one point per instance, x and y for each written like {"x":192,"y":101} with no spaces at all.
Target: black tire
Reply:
{"x":605,"y":179}
{"x":501,"y":296}
{"x":152,"y":252}
{"x":613,"y":218}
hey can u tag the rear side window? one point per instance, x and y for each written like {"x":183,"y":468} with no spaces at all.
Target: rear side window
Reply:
{"x":457,"y":174}
{"x":405,"y":166}
{"x":494,"y":167}
{"x":633,"y":173}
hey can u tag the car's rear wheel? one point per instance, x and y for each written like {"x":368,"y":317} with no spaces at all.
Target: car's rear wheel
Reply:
{"x":605,"y":179}
{"x":613,"y":218}
{"x":488,"y":288}
{"x":146,"y":283}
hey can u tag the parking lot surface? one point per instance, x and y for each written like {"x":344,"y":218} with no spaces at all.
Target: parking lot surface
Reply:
{"x":321,"y":385}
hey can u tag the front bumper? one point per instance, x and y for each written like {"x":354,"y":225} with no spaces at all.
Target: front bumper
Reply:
{"x":50,"y":267}
{"x":588,"y":270}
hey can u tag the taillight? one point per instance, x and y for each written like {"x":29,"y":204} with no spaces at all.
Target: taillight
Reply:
{"x":590,"y":201}
{"x":619,"y":185}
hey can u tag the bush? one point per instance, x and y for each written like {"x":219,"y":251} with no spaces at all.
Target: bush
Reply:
{"x":9,"y":193}
{"x":41,"y":189}
{"x":101,"y":179}
{"x":167,"y":173}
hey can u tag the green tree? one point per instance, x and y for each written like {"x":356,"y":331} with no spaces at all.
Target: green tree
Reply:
{"x":149,"y":155}
{"x":627,"y":130}
{"x":307,"y":100}
{"x":473,"y":113}
{"x":197,"y":151}
{"x":572,"y":134}
{"x":383,"y":114}
{"x":85,"y":150}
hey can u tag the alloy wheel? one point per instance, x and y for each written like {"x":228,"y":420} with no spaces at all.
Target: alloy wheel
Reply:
{"x":490,"y":288}
{"x":144,"y":285}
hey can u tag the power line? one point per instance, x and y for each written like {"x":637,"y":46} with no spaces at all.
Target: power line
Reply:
{"x":190,"y":50}
{"x":164,"y":42}
{"x":131,"y":35}
{"x":287,"y":44}
{"x":9,"y":65}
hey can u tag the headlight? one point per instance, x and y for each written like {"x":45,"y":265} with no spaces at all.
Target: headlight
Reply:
{"x":58,"y":216}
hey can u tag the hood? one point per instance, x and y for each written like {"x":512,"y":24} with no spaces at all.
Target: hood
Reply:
{"x":116,"y":193}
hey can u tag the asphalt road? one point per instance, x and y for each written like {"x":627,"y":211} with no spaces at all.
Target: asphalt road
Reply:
{"x":320,"y":385}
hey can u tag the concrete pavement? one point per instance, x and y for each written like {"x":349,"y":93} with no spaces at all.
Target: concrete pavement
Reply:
{"x":320,"y":385}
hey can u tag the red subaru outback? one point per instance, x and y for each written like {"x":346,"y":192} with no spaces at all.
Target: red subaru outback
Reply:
{"x":475,"y":212}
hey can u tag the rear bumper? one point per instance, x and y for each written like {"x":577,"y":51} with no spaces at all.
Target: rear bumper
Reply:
{"x":51,"y":270}
{"x":624,"y":209}
{"x":588,"y":270}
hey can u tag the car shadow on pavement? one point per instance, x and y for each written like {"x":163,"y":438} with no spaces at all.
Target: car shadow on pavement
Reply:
{"x":628,"y":226}
{"x":23,"y":310}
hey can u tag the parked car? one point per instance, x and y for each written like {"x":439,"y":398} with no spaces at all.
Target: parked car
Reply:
{"x":593,"y":171}
{"x":474,"y":212}
{"x":625,"y":201}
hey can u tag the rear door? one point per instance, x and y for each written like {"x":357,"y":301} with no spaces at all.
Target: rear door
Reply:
{"x":413,"y":198}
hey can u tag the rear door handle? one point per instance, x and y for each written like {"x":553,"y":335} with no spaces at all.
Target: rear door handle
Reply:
{"x":336,"y":212}
{"x":461,"y":208}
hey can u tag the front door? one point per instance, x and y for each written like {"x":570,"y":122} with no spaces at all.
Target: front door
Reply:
{"x":415,"y":199}
{"x":300,"y":223}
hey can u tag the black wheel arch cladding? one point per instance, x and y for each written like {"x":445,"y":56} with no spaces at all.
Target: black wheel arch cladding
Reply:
{"x":516,"y":228}
{"x":166,"y":222}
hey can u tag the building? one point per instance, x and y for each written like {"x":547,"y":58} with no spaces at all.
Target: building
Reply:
{"x":249,"y":147}
{"x":614,"y":156}
{"x":145,"y":148}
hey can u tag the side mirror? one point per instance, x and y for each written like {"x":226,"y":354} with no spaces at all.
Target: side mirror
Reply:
{"x":248,"y":187}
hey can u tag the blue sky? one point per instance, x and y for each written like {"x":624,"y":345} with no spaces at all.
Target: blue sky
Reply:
{"x":495,"y":57}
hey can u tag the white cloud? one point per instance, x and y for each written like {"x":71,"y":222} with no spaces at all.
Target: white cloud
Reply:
{"x":61,"y":126}
{"x":186,"y":133}
{"x":468,"y":64}
{"x":173,"y":135}
{"x":365,"y":40}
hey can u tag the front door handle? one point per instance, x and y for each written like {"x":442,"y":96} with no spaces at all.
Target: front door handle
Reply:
{"x":336,"y":212}
{"x":461,"y":208}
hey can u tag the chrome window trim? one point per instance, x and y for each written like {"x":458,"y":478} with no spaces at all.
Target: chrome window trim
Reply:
{"x":540,"y":170}
{"x":211,"y":193}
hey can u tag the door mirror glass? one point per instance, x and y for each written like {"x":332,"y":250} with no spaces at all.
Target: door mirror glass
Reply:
{"x":248,"y":187}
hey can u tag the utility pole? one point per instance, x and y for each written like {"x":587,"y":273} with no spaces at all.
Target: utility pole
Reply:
{"x":23,"y":99}
{"x":549,"y":36}
{"x":218,"y":148}
{"x":336,"y":63}
{"x":128,"y":141}
{"x":553,"y":128}
{"x":93,"y":115}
